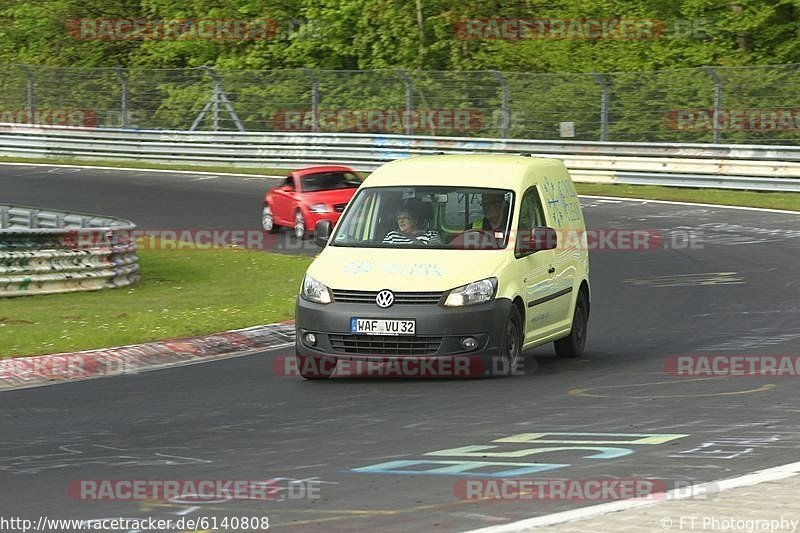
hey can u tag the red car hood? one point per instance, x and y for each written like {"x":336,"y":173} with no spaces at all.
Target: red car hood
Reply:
{"x":332,"y":196}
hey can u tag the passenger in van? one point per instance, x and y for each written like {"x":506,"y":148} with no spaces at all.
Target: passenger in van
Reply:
{"x":495,"y":212}
{"x":412,"y":223}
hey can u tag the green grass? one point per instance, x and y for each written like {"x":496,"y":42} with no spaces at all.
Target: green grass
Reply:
{"x":181,"y":293}
{"x":774,"y":200}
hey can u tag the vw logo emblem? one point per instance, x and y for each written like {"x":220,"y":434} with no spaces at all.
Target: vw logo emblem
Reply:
{"x":385,"y":298}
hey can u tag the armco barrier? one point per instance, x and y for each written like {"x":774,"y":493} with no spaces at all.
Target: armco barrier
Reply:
{"x":43,"y":252}
{"x":775,"y":168}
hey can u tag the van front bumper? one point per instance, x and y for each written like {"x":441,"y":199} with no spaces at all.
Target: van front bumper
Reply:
{"x":439,"y":331}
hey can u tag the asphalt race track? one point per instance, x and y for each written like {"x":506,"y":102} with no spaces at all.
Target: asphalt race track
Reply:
{"x":363,"y":442}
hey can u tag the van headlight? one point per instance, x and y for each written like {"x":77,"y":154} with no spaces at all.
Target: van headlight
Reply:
{"x":314,"y":291}
{"x":476,"y":292}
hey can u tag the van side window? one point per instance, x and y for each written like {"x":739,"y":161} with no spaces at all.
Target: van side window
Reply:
{"x":531,"y":214}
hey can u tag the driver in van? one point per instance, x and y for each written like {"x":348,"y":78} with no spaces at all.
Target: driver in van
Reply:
{"x":412,"y":226}
{"x":495,"y":209}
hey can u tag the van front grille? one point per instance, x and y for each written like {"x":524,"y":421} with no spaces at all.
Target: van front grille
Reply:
{"x":368,"y":297}
{"x":385,"y":344}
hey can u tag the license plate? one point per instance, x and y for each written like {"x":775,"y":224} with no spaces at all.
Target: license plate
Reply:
{"x":380,"y":326}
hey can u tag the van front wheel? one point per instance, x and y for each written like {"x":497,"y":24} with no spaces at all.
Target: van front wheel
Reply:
{"x":573,"y":345}
{"x":511,"y":346}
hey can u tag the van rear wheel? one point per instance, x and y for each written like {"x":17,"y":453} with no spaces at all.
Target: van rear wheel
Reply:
{"x":575,"y":342}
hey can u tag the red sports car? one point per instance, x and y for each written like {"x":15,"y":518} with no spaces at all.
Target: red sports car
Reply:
{"x":307,"y":196}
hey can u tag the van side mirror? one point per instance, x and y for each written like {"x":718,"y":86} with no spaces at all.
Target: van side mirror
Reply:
{"x":536,"y":240}
{"x":322,"y":232}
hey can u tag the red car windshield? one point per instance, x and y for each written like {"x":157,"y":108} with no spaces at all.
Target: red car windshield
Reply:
{"x":325,"y":181}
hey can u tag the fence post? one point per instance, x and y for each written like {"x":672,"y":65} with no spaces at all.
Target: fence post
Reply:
{"x":31,"y":95}
{"x":409,"y":100}
{"x":314,"y":98}
{"x":604,"y":99}
{"x":717,"y":100}
{"x":506,"y":104}
{"x":123,"y":87}
{"x":217,"y":97}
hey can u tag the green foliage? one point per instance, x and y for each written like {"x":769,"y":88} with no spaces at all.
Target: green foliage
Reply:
{"x":549,"y":79}
{"x":362,"y":34}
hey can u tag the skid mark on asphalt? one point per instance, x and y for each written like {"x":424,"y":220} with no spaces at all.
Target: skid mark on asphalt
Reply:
{"x":688,"y":280}
{"x":777,"y":311}
{"x":585,"y":392}
{"x":94,"y":454}
{"x":768,"y":337}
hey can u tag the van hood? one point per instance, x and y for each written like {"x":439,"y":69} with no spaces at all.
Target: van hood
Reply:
{"x":374,"y":269}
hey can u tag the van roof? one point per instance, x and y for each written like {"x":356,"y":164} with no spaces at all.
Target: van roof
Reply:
{"x":467,"y":170}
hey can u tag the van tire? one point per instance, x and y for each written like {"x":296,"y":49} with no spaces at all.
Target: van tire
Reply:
{"x":573,"y":344}
{"x":510,"y":346}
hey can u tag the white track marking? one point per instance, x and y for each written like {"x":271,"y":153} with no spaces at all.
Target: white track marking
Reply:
{"x":721,"y":206}
{"x":747,"y":480}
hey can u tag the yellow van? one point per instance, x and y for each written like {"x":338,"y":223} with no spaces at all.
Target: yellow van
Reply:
{"x":443,"y":257}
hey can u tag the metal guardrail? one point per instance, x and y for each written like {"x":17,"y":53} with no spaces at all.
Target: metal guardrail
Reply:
{"x":754,"y":167}
{"x":44,"y":252}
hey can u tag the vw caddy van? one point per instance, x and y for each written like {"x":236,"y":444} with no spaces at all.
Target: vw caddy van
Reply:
{"x":444,"y":257}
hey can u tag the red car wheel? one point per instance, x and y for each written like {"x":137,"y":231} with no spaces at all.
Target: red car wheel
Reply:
{"x":267,"y":220}
{"x":299,"y":225}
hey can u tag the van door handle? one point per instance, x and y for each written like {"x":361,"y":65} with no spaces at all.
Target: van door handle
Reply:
{"x":551,"y":270}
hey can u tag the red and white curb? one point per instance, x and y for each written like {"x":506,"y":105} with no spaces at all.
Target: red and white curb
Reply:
{"x":23,"y":372}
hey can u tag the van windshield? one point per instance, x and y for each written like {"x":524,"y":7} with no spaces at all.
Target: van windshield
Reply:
{"x":427,"y":217}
